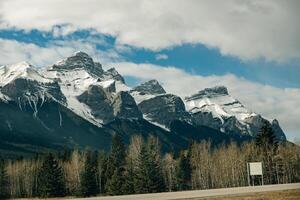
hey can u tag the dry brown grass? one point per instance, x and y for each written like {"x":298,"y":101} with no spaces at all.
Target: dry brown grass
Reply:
{"x":278,"y":195}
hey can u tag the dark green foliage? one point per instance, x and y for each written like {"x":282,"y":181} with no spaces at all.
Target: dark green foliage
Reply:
{"x":115,"y":167}
{"x":183,"y":172}
{"x":50,"y":178}
{"x":88,"y":177}
{"x":142,"y":176}
{"x":3,"y":180}
{"x":129,"y":176}
{"x":101,"y":171}
{"x":149,"y":178}
{"x":268,"y":147}
{"x":115,"y":183}
{"x":266,"y":138}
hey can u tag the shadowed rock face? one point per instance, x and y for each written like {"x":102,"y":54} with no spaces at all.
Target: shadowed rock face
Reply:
{"x":150,"y":87}
{"x":277,"y":130}
{"x":209,"y":92}
{"x":24,"y":89}
{"x":80,"y":60}
{"x":111,"y":88}
{"x":256,"y":122}
{"x":207,"y":119}
{"x":230,"y":125}
{"x":234,"y":126}
{"x":99,"y":102}
{"x":164,"y":109}
{"x":112,"y":73}
{"x":125,"y":107}
{"x":107,"y":106}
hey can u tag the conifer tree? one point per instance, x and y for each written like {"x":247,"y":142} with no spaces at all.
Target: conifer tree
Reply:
{"x":101,"y":170}
{"x":142,"y":176}
{"x":3,"y":180}
{"x":88,"y":177}
{"x":115,"y":183}
{"x":50,"y":178}
{"x":155,"y":169}
{"x":266,"y":139}
{"x":129,"y":176}
{"x":115,"y":166}
{"x":149,"y":177}
{"x":268,"y":146}
{"x":183,"y":172}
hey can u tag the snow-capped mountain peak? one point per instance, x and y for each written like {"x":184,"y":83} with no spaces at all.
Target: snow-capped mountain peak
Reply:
{"x":77,"y":60}
{"x":24,"y":70}
{"x":99,"y":96}
{"x":150,"y":87}
{"x":217,"y":101}
{"x":209,"y":93}
{"x":147,"y":90}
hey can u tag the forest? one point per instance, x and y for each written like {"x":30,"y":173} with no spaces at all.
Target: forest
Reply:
{"x":141,"y":167}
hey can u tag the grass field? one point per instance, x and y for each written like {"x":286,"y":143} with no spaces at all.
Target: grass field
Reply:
{"x":278,"y":195}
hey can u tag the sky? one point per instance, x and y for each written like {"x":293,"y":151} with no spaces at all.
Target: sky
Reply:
{"x":250,"y":46}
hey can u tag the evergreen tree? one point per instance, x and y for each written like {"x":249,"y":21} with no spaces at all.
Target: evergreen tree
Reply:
{"x":50,"y":178}
{"x":142,"y":176}
{"x":115,"y":166}
{"x":183,"y":172}
{"x":115,"y":183}
{"x":88,"y":177}
{"x":268,"y":146}
{"x":266,"y":139}
{"x":101,"y":170}
{"x":149,"y":177}
{"x":129,"y":176}
{"x":3,"y":180}
{"x":155,"y":169}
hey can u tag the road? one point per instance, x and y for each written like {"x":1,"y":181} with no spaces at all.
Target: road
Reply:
{"x":199,"y":193}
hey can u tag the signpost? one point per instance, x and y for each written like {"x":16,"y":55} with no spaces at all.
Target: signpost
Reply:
{"x":255,"y":169}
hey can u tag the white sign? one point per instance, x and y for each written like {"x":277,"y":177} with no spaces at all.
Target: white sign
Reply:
{"x":255,"y":168}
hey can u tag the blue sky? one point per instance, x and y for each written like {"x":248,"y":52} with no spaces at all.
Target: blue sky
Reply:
{"x":193,"y":58}
{"x":252,"y":47}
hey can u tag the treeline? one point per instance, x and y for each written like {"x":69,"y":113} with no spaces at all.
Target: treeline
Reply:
{"x":141,"y":168}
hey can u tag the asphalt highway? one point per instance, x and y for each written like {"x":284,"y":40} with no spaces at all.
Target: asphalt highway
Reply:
{"x":199,"y":193}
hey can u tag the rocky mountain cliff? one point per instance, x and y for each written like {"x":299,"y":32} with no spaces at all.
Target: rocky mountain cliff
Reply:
{"x":75,"y":102}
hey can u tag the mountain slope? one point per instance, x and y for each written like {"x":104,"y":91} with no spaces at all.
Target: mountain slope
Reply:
{"x":76,"y":103}
{"x":214,"y":107}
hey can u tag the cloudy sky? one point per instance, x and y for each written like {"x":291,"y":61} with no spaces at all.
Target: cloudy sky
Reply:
{"x":252,"y":47}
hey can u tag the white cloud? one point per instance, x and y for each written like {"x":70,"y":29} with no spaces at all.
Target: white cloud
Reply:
{"x":161,"y":57}
{"x":13,"y":51}
{"x":63,"y":30}
{"x":248,"y":29}
{"x":271,"y":102}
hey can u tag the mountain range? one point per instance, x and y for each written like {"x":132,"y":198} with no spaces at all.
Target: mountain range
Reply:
{"x":76,"y":103}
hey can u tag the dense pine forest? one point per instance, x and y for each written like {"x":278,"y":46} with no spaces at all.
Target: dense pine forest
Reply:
{"x":140,"y":167}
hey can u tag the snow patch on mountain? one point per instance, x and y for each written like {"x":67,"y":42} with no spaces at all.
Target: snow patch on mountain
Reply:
{"x":73,"y":83}
{"x":4,"y":98}
{"x":106,"y":84}
{"x":122,"y":87}
{"x":147,"y":90}
{"x":217,"y":101}
{"x":140,"y":97}
{"x":25,"y":70}
{"x":156,"y":123}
